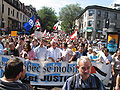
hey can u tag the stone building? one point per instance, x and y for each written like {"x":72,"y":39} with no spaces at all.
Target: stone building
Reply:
{"x":96,"y":21}
{"x":13,"y":14}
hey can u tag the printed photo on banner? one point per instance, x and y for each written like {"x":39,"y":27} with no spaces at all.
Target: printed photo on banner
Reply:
{"x":113,"y":41}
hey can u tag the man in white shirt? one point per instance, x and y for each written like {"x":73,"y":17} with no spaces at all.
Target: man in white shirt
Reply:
{"x":41,"y":51}
{"x":54,"y":53}
{"x":66,"y":53}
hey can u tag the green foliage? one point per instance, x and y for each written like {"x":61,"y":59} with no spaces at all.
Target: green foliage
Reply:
{"x":48,"y":18}
{"x":68,"y":15}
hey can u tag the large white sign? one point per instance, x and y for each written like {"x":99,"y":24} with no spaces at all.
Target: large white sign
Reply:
{"x":47,"y":73}
{"x":44,"y":72}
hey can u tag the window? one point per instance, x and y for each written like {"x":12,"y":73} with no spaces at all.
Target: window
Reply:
{"x":17,"y":15}
{"x":91,"y":12}
{"x":115,"y":16}
{"x":2,"y":24}
{"x":99,"y":13}
{"x":8,"y":11}
{"x":98,"y":23}
{"x":90,"y":23}
{"x":2,"y":8}
{"x":23,"y":17}
{"x":13,"y":12}
{"x":106,"y":14}
{"x":20,"y":15}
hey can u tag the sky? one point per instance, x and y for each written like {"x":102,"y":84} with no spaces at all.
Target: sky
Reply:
{"x":58,"y":4}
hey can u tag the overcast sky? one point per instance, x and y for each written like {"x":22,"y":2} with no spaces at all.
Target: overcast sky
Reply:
{"x":58,"y":4}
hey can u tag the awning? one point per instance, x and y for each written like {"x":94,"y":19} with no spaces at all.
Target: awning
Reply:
{"x":89,"y":29}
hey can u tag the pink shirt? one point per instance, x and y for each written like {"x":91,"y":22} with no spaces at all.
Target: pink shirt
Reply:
{"x":30,"y":54}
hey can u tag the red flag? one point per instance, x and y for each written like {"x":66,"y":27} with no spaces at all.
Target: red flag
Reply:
{"x":56,"y":26}
{"x":73,"y":35}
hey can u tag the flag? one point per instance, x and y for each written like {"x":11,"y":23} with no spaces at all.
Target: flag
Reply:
{"x":44,"y":33}
{"x":56,"y":26}
{"x":37,"y":24}
{"x":73,"y":35}
{"x":28,"y":25}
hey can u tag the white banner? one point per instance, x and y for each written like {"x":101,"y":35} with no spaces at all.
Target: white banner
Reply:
{"x":47,"y":73}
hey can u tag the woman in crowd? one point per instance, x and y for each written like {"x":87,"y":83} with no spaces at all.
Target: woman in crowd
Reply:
{"x":27,"y":52}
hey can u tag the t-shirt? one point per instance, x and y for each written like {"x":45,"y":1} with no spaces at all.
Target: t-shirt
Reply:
{"x":13,"y":86}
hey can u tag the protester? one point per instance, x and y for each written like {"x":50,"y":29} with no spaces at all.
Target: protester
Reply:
{"x":77,"y":54}
{"x":54,"y":53}
{"x":14,"y":70}
{"x":34,"y":44}
{"x":115,"y":66}
{"x":27,"y":52}
{"x":20,"y":44}
{"x":107,"y":58}
{"x":90,"y":52}
{"x":41,"y":51}
{"x":83,"y":80}
{"x":6,"y":47}
{"x":66,"y":52}
{"x":117,"y":86}
{"x":12,"y":50}
{"x":94,"y":57}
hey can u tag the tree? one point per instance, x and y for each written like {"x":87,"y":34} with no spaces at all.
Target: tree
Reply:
{"x":68,"y":15}
{"x":47,"y":18}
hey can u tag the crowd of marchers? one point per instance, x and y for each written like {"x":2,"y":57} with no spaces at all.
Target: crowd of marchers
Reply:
{"x":61,"y":49}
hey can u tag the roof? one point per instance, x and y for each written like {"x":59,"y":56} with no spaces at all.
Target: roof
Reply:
{"x":98,"y":7}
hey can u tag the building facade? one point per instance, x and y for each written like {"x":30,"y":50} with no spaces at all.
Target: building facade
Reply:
{"x":13,"y":14}
{"x":96,"y":21}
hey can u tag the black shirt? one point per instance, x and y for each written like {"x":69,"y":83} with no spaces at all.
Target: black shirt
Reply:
{"x":14,"y":52}
{"x":13,"y":86}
